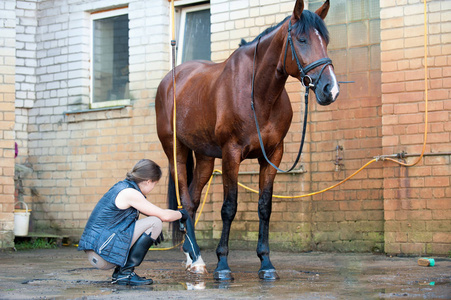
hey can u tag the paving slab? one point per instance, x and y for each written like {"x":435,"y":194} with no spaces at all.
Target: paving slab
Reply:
{"x":64,"y":273}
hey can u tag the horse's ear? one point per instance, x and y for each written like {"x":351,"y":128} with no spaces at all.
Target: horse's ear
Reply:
{"x":297,"y":12}
{"x":322,"y":11}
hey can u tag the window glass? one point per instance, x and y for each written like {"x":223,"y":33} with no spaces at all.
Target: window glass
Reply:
{"x":110,"y":75}
{"x":195,"y":40}
{"x":354,"y":28}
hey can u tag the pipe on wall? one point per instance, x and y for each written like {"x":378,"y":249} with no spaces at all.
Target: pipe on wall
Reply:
{"x":403,"y":154}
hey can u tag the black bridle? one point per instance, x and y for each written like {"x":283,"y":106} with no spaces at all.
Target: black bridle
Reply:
{"x":303,"y":76}
{"x":303,"y":71}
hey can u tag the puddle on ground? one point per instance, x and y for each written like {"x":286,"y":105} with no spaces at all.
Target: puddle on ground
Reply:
{"x":307,"y":283}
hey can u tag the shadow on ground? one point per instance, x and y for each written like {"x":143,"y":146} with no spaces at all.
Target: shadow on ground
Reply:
{"x":64,"y":273}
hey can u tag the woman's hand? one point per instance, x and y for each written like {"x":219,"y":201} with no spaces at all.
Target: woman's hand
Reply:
{"x":185,"y":215}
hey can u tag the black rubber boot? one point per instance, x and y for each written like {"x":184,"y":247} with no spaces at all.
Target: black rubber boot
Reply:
{"x":116,"y":271}
{"x":125,"y":275}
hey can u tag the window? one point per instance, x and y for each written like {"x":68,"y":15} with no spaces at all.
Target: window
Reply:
{"x":194,"y":38}
{"x":109,"y":58}
{"x":354,"y":27}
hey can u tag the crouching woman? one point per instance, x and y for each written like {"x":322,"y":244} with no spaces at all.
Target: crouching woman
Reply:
{"x":114,"y":237}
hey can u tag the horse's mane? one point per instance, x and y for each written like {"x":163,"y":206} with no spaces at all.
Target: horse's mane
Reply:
{"x":307,"y":21}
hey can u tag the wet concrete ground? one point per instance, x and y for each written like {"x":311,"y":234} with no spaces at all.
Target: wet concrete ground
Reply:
{"x":64,"y":273}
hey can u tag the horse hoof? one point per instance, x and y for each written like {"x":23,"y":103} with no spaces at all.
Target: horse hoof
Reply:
{"x":223,"y":275}
{"x":268,"y":274}
{"x":198,"y":269}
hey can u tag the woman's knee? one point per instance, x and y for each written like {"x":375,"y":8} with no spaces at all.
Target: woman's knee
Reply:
{"x":98,"y":262}
{"x":156,"y":225}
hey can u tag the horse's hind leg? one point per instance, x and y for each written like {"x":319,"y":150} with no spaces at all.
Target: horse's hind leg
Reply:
{"x":230,"y":167}
{"x":267,"y":175}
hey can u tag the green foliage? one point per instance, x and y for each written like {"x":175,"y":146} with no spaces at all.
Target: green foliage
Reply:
{"x":39,"y":243}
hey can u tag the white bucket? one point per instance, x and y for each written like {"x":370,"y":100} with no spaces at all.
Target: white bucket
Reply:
{"x":21,"y":220}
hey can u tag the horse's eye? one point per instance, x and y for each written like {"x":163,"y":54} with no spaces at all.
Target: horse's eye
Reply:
{"x":302,"y":41}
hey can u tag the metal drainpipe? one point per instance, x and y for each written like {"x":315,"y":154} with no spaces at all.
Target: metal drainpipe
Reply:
{"x":403,"y":154}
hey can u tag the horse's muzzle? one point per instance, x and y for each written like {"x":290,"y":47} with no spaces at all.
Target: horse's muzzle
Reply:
{"x":327,"y":89}
{"x":326,"y":94}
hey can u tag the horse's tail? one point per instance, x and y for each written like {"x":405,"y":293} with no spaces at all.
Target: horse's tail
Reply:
{"x":177,"y":235}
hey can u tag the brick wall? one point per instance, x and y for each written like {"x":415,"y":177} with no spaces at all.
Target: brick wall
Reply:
{"x":26,"y":46}
{"x":417,"y":200}
{"x":76,"y":155}
{"x":7,"y":135}
{"x":349,"y":218}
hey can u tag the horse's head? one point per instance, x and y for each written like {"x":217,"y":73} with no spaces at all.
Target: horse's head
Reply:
{"x":305,"y":54}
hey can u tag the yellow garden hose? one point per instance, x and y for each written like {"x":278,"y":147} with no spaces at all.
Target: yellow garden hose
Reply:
{"x":174,"y":119}
{"x":425,"y":94}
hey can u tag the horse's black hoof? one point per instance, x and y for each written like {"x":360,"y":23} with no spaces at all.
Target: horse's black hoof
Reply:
{"x":268,"y":274}
{"x":223,"y":275}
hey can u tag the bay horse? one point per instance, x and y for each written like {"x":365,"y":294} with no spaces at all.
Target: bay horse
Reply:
{"x":215,"y":119}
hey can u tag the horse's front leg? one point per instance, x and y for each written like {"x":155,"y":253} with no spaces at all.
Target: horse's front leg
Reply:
{"x":202,"y":173}
{"x":194,"y":261}
{"x":230,"y":167}
{"x":266,"y":180}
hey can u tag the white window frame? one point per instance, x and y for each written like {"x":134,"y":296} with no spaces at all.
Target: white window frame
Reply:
{"x":98,"y":16}
{"x":183,"y":12}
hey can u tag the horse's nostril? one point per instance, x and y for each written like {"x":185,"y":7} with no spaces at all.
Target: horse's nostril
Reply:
{"x":326,"y":89}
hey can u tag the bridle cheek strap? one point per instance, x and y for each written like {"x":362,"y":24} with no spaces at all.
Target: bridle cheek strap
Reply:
{"x":303,"y":75}
{"x":303,"y":71}
{"x":311,"y":84}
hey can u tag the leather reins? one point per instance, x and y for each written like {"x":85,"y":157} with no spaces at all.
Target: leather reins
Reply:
{"x":303,"y":76}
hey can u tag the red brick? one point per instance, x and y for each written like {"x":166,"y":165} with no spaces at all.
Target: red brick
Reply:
{"x":443,"y":137}
{"x":406,"y":108}
{"x":415,"y":86}
{"x":414,"y":74}
{"x":444,"y":170}
{"x":413,"y":248}
{"x":390,"y":205}
{"x":440,"y":249}
{"x":411,"y":129}
{"x":438,"y":193}
{"x":411,"y":119}
{"x":393,"y":55}
{"x":390,"y":34}
{"x":438,"y":94}
{"x":439,"y":204}
{"x":441,"y":214}
{"x":389,"y":66}
{"x":432,"y":106}
{"x":393,"y":87}
{"x":420,"y":171}
{"x":413,"y":52}
{"x":414,"y":204}
{"x":437,"y":181}
{"x":393,"y":76}
{"x":437,"y":160}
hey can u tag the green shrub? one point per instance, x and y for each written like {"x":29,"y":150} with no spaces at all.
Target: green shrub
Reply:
{"x":39,"y":243}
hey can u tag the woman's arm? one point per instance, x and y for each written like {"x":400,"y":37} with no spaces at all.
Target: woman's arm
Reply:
{"x":132,"y":198}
